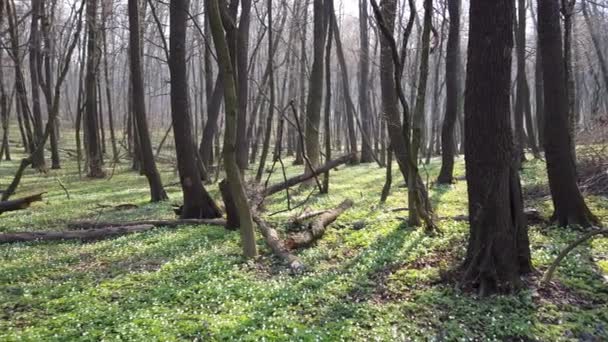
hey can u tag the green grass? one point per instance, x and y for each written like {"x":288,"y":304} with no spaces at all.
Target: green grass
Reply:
{"x":191,"y":283}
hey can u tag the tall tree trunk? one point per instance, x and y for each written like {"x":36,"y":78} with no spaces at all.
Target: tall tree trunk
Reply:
{"x":35,"y":59}
{"x":269,"y":117}
{"x":242,"y":59}
{"x":419,"y":117}
{"x":233,"y":174}
{"x":595,"y":37}
{"x":108,"y":84}
{"x":315,"y":88}
{"x":157,"y":192}
{"x":197,"y":202}
{"x":498,"y":251}
{"x":569,"y":204}
{"x":567,"y":10}
{"x":327,"y":113}
{"x":299,"y":160}
{"x":389,"y":91}
{"x":350,"y":106}
{"x":520,"y":34}
{"x":452,"y":84}
{"x":93,"y":145}
{"x":364,"y":105}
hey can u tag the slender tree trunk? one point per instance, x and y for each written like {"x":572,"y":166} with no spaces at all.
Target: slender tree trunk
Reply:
{"x":242,"y":59}
{"x":315,"y":89}
{"x":233,"y":174}
{"x":520,"y":34}
{"x":327,"y":114}
{"x":364,"y":105}
{"x":569,"y":204}
{"x":93,"y":145}
{"x":498,"y":251}
{"x":299,"y":160}
{"x":34,"y":59}
{"x":452,"y":83}
{"x":157,"y":192}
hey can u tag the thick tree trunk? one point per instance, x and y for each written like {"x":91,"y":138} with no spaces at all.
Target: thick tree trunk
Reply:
{"x":498,"y":250}
{"x":157,"y":192}
{"x":452,"y":83}
{"x":197,"y":202}
{"x":569,"y":204}
{"x":19,"y":204}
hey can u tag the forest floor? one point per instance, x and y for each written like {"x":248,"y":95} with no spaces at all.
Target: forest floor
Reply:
{"x":371,"y":277}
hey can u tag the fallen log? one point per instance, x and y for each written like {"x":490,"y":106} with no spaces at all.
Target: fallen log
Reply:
{"x":278,"y":246}
{"x":273,"y":189}
{"x":19,"y":204}
{"x":316,"y":228}
{"x":83,"y":235}
{"x":89,"y":231}
{"x":80,"y":225}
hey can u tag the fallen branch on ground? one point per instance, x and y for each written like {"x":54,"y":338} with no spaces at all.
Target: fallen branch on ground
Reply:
{"x":273,"y":189}
{"x":88,"y":231}
{"x":316,"y":228}
{"x":19,"y":204}
{"x":564,"y":253}
{"x":278,"y":246}
{"x":307,"y":215}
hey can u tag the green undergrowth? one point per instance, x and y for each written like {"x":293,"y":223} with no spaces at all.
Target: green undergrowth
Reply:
{"x":371,"y":277}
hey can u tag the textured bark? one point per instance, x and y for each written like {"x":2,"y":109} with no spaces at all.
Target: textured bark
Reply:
{"x":452,"y":83}
{"x":157,"y":192}
{"x":568,"y":202}
{"x":278,"y":246}
{"x":233,"y":174}
{"x":197,"y":202}
{"x":498,"y":249}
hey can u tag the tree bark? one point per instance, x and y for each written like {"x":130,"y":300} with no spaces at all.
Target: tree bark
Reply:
{"x":498,"y":249}
{"x":364,"y":102}
{"x":157,"y":192}
{"x":569,"y":204}
{"x":316,"y":229}
{"x":93,"y":145}
{"x":452,"y":83}
{"x":233,"y":174}
{"x":197,"y":202}
{"x":315,"y":88}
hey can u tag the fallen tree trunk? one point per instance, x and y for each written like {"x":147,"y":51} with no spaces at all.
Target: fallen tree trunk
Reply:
{"x":19,"y":204}
{"x":79,"y":225}
{"x":278,"y":246}
{"x":83,"y":235}
{"x":307,"y":215}
{"x":89,"y":231}
{"x":316,"y":228}
{"x":273,"y":189}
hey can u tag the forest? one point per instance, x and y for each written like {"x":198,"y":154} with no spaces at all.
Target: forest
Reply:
{"x":304,"y":170}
